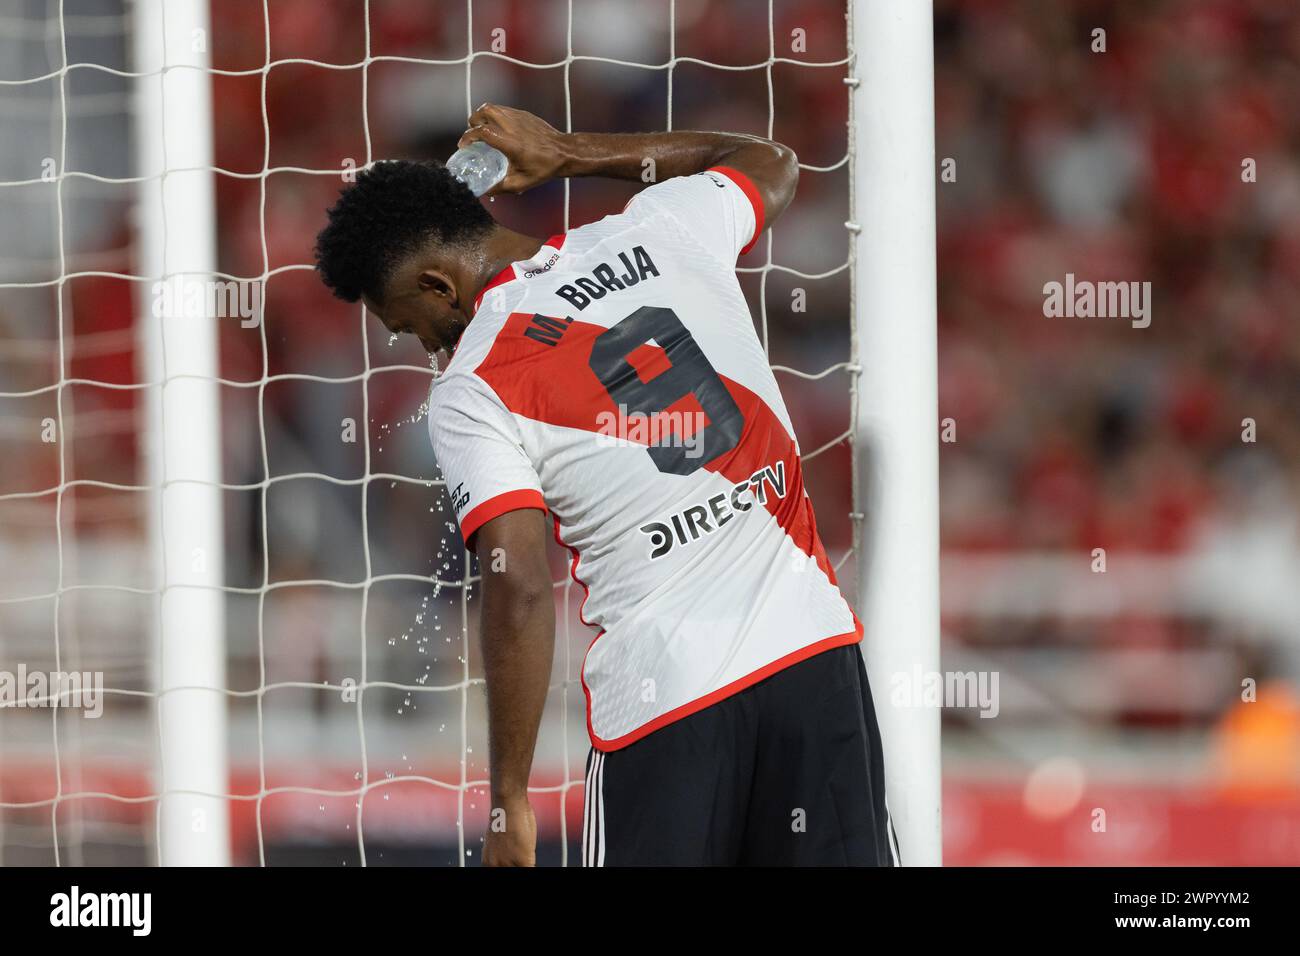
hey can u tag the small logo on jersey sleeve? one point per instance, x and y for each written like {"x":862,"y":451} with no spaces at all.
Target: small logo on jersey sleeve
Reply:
{"x":459,"y":498}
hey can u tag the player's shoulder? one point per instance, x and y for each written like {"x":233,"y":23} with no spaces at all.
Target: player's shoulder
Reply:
{"x":695,"y":190}
{"x":480,"y":334}
{"x":703,"y":211}
{"x":460,"y":376}
{"x":451,"y":388}
{"x":457,"y":397}
{"x":660,"y":199}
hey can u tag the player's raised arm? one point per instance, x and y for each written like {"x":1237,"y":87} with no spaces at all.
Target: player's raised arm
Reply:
{"x":538,"y":153}
{"x":517,"y":633}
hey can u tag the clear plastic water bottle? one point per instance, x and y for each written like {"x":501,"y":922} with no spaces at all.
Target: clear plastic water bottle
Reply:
{"x":479,"y":166}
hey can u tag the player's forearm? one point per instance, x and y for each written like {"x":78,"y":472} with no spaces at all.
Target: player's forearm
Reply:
{"x":537,"y":153}
{"x":625,"y":155}
{"x":771,"y":167}
{"x":518,"y":642}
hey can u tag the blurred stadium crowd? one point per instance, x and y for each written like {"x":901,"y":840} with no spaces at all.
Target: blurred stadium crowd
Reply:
{"x":1071,"y":434}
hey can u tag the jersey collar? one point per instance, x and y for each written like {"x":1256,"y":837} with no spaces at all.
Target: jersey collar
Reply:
{"x":510,"y":273}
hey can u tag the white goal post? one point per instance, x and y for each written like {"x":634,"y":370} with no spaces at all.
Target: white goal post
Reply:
{"x":177,"y":241}
{"x":896,"y":450}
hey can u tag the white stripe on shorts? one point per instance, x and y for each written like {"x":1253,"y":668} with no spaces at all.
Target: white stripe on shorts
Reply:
{"x":893,"y":838}
{"x":593,"y":812}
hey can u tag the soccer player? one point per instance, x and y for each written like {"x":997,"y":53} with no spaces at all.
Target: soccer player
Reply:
{"x":611,"y":380}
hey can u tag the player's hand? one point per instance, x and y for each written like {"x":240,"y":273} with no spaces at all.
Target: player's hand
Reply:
{"x":512,"y":842}
{"x":535,"y":148}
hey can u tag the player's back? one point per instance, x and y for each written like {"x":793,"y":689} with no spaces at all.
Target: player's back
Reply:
{"x":616,"y":380}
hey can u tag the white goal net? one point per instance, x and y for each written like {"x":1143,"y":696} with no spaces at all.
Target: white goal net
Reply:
{"x":349,"y":683}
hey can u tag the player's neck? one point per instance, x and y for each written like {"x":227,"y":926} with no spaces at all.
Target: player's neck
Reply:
{"x":502,"y":247}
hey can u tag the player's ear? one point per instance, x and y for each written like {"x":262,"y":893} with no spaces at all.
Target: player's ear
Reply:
{"x":436,"y":282}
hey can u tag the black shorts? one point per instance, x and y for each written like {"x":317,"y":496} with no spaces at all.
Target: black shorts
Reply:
{"x":787,"y":772}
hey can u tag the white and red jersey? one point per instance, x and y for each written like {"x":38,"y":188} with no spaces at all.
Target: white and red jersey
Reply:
{"x":616,"y":381}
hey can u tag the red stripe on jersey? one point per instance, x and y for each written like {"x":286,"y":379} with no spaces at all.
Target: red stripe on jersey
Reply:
{"x":496,"y":506}
{"x":764,"y":442}
{"x":551,"y":384}
{"x":648,"y":361}
{"x":556,"y":386}
{"x":751,"y":193}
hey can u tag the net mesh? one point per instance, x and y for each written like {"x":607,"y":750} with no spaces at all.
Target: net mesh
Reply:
{"x":48,"y":795}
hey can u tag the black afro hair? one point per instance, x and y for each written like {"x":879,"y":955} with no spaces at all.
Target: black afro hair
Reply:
{"x":393,"y":208}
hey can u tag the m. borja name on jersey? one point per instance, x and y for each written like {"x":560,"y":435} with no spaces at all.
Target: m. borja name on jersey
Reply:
{"x":692,"y":522}
{"x":604,"y":280}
